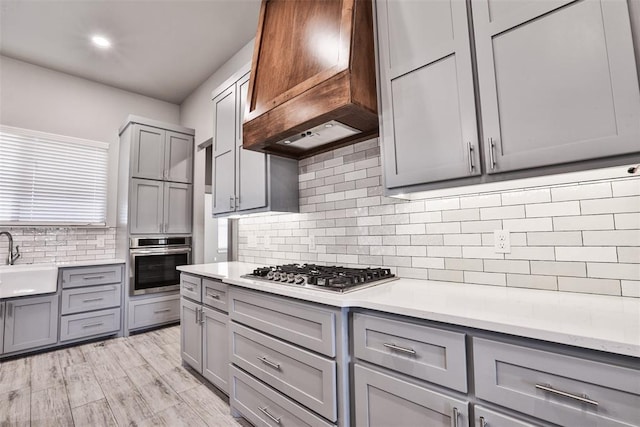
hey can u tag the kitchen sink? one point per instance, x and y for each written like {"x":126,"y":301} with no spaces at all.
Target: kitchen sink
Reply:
{"x":33,"y":279}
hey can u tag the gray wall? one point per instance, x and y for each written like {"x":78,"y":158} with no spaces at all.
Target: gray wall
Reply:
{"x":38,"y":98}
{"x":196,"y":112}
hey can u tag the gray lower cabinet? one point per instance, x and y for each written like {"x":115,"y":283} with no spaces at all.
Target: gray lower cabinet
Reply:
{"x":145,"y":312}
{"x":484,"y":417}
{"x":30,"y":322}
{"x":245,"y":180}
{"x":204,"y":333}
{"x":428,"y":115}
{"x":160,"y":207}
{"x":383,"y":400}
{"x":2,"y":309}
{"x":84,"y":325}
{"x":191,"y":334}
{"x":560,"y":389}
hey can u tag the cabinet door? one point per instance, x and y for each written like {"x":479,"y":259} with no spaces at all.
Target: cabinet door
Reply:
{"x":558,"y":81}
{"x":177,"y":208}
{"x":251,"y":165}
{"x":215,"y":345}
{"x":224,"y":143}
{"x":178,"y":157}
{"x":191,"y":334}
{"x":2,"y":309}
{"x":428,"y":123}
{"x":147,"y":207}
{"x":147,"y":157}
{"x":382,"y":400}
{"x":30,"y":323}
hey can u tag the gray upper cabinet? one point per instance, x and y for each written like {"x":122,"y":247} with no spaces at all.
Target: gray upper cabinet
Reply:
{"x":147,"y":206}
{"x":557,"y":81}
{"x":147,"y":152}
{"x":177,"y":208}
{"x":178,"y":154}
{"x":251,"y":165}
{"x":30,"y":323}
{"x":428,"y":111}
{"x":160,"y":207}
{"x":161,"y":154}
{"x":224,"y":142}
{"x":243,"y":180}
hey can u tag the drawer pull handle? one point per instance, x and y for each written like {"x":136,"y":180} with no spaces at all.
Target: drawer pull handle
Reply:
{"x":483,"y":423}
{"x":398,"y":348}
{"x":583,"y":398}
{"x":214,"y":296}
{"x":93,"y":277}
{"x":93,"y":325}
{"x":164,"y":310}
{"x":266,"y":412}
{"x":189,"y":288}
{"x":455,"y":417}
{"x":92,"y":299}
{"x":268,"y":362}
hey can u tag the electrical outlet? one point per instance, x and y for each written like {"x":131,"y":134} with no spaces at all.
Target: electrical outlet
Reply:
{"x":501,"y":241}
{"x":312,"y":242}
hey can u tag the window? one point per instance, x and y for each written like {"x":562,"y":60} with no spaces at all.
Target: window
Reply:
{"x":51,"y":179}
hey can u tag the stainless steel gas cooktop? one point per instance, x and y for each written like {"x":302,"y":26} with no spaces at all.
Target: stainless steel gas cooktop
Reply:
{"x":321,"y":277}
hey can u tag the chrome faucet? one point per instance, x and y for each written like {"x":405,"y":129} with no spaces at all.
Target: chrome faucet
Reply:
{"x":11,"y":257}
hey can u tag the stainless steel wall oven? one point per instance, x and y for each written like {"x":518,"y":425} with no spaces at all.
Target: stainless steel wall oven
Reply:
{"x":152,"y":267}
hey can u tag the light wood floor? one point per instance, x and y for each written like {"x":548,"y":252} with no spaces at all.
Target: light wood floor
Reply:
{"x":137,"y":380}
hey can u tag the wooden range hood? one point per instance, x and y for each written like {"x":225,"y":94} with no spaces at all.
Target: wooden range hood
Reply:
{"x":313,"y":82}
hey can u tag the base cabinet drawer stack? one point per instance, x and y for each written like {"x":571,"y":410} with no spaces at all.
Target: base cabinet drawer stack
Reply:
{"x":395,"y":392}
{"x":91,"y":300}
{"x":557,"y":388}
{"x":203,"y":323}
{"x":284,"y":361}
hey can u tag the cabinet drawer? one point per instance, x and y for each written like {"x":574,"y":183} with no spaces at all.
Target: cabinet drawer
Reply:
{"x":306,"y":325}
{"x":427,"y":353}
{"x":76,"y":300}
{"x":155,"y":311}
{"x":389,"y":400}
{"x":264,"y":406}
{"x":487,"y":418}
{"x":190,"y":287}
{"x":561,"y":389}
{"x":305,"y":377}
{"x":87,"y":324}
{"x":94,"y":275}
{"x":214,"y":294}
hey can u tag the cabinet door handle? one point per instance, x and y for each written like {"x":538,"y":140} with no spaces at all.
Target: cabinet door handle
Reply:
{"x":9,"y":309}
{"x":470,"y":152}
{"x":398,"y":348}
{"x":268,"y":362}
{"x":238,"y":202}
{"x":483,"y":423}
{"x":1,"y":311}
{"x":492,"y":153}
{"x":581,"y":399}
{"x":93,"y":277}
{"x":266,"y":412}
{"x":92,"y":325}
{"x":455,"y":417}
{"x":231,"y":199}
{"x":197,"y":315}
{"x":202,"y":316}
{"x":92,"y":299}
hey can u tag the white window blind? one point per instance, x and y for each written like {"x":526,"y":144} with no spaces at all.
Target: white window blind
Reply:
{"x":51,"y":179}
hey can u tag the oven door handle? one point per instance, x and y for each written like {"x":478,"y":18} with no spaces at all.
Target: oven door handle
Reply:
{"x":160,"y":252}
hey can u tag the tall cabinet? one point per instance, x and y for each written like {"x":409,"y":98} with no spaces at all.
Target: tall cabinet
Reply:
{"x":245,"y":181}
{"x":556,"y":84}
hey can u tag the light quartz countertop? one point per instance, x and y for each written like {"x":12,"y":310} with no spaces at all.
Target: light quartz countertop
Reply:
{"x":37,"y":279}
{"x":598,"y":322}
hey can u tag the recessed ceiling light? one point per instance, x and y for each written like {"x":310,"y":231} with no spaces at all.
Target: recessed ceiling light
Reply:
{"x":101,"y":41}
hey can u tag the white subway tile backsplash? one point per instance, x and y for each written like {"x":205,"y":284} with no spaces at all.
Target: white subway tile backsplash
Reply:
{"x":582,"y":237}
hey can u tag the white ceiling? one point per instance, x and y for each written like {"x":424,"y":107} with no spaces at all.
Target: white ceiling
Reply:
{"x":160,"y":48}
